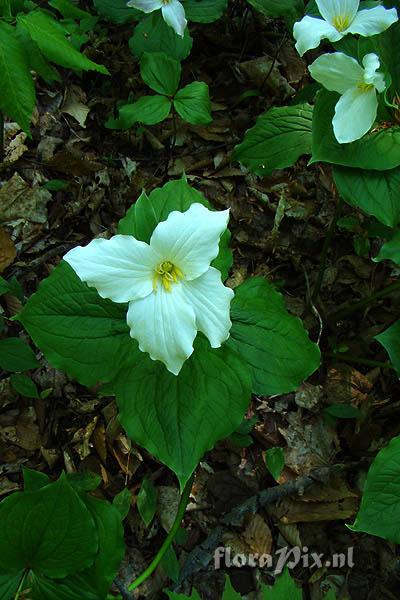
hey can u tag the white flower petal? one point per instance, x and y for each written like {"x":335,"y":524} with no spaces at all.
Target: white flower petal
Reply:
{"x":337,"y":72}
{"x":147,"y":6}
{"x":310,"y":31}
{"x":331,"y":9}
{"x":190,"y":240}
{"x":174,"y":14}
{"x":164,"y":324}
{"x":211,"y":302}
{"x":372,"y":21}
{"x":120,"y":269}
{"x":355,"y":114}
{"x":371,"y":64}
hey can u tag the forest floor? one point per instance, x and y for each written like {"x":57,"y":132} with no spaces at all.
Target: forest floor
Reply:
{"x":279,"y":227}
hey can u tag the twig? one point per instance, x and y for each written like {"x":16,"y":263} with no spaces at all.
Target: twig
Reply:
{"x":364,"y":303}
{"x":201,"y":556}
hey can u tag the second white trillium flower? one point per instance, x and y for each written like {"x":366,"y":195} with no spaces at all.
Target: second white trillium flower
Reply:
{"x":340,"y":17}
{"x":172,"y":290}
{"x":356,"y":111}
{"x":172,"y":11}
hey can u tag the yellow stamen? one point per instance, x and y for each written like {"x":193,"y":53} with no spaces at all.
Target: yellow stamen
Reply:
{"x":341,"y":22}
{"x":365,"y":87}
{"x":168,"y":273}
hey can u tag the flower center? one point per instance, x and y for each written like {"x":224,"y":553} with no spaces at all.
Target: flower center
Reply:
{"x":341,"y":22}
{"x":365,"y":87}
{"x":165,"y":2}
{"x":168,"y":273}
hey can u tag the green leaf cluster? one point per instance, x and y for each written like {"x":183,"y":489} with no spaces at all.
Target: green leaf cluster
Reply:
{"x":58,"y":541}
{"x":35,"y":40}
{"x":175,"y":418}
{"x":162,"y":74}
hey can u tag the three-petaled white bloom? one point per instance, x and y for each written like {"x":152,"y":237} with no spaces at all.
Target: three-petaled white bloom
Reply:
{"x":172,"y":11}
{"x":172,"y":290}
{"x":355,"y":112}
{"x":340,"y":17}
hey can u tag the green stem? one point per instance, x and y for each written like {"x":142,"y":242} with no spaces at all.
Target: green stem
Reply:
{"x":359,"y":361}
{"x":21,"y":585}
{"x":364,"y":303}
{"x":168,"y":540}
{"x":325,"y":248}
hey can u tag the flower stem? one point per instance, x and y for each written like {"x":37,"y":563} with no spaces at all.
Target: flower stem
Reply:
{"x":325,"y":248}
{"x":364,"y":303}
{"x":358,"y":361}
{"x":168,"y":540}
{"x":21,"y":585}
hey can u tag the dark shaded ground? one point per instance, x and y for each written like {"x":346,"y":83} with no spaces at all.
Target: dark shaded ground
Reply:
{"x":279,"y":227}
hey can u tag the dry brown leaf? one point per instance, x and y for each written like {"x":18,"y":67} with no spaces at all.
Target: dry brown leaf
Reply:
{"x":99,"y":442}
{"x":296,"y":511}
{"x":7,"y":250}
{"x":74,"y":105}
{"x":168,"y":502}
{"x":256,"y":538}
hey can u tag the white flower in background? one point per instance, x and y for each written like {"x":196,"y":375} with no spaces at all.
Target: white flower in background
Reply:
{"x":355,"y":112}
{"x":171,"y":289}
{"x":340,"y":17}
{"x":172,"y":11}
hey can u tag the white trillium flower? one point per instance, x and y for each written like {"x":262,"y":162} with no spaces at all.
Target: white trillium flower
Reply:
{"x":172,"y":11}
{"x":355,"y":112}
{"x":340,"y":17}
{"x":172,"y":290}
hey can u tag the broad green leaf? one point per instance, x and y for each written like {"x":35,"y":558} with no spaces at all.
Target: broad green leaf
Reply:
{"x":147,"y":501}
{"x":390,"y":340}
{"x":179,"y":418}
{"x":17,"y":92}
{"x":152,"y":34}
{"x":379,"y":512}
{"x":69,"y":10}
{"x":160,"y":72}
{"x":374,"y":192}
{"x":48,"y":530}
{"x":16,"y":355}
{"x":170,"y":565}
{"x":204,"y":11}
{"x":9,"y":583}
{"x":50,"y":37}
{"x":174,"y":596}
{"x":279,"y":137}
{"x":283,"y":589}
{"x":229,"y":591}
{"x":390,"y":250}
{"x":275,"y":461}
{"x":24,"y":385}
{"x":84,"y":482}
{"x":375,"y":151}
{"x":43,"y":588}
{"x":291,"y":9}
{"x":98,"y":578}
{"x":148,"y":110}
{"x":78,"y":331}
{"x":34,"y":480}
{"x":34,"y":57}
{"x":342,"y":411}
{"x":117,"y":11}
{"x":12,"y":287}
{"x":271,"y":341}
{"x":143,"y":216}
{"x":387,"y":48}
{"x":193,"y":103}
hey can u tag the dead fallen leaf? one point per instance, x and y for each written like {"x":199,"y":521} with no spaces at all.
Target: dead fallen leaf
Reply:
{"x":74,"y":105}
{"x":7,"y":250}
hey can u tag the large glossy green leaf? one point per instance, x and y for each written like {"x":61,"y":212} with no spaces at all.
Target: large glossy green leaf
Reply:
{"x":160,"y":72}
{"x":49,"y":531}
{"x":77,"y":330}
{"x":50,"y":37}
{"x":390,"y":250}
{"x":148,"y":110}
{"x":279,"y":137}
{"x":179,"y":418}
{"x":143,"y":216}
{"x":152,"y":34}
{"x":34,"y":57}
{"x":377,"y":151}
{"x":390,"y":340}
{"x":16,"y":355}
{"x":117,"y":11}
{"x":204,"y":11}
{"x":17,"y":92}
{"x":290,"y":9}
{"x":379,"y":512}
{"x":9,"y":583}
{"x":193,"y":103}
{"x":274,"y":343}
{"x":374,"y":192}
